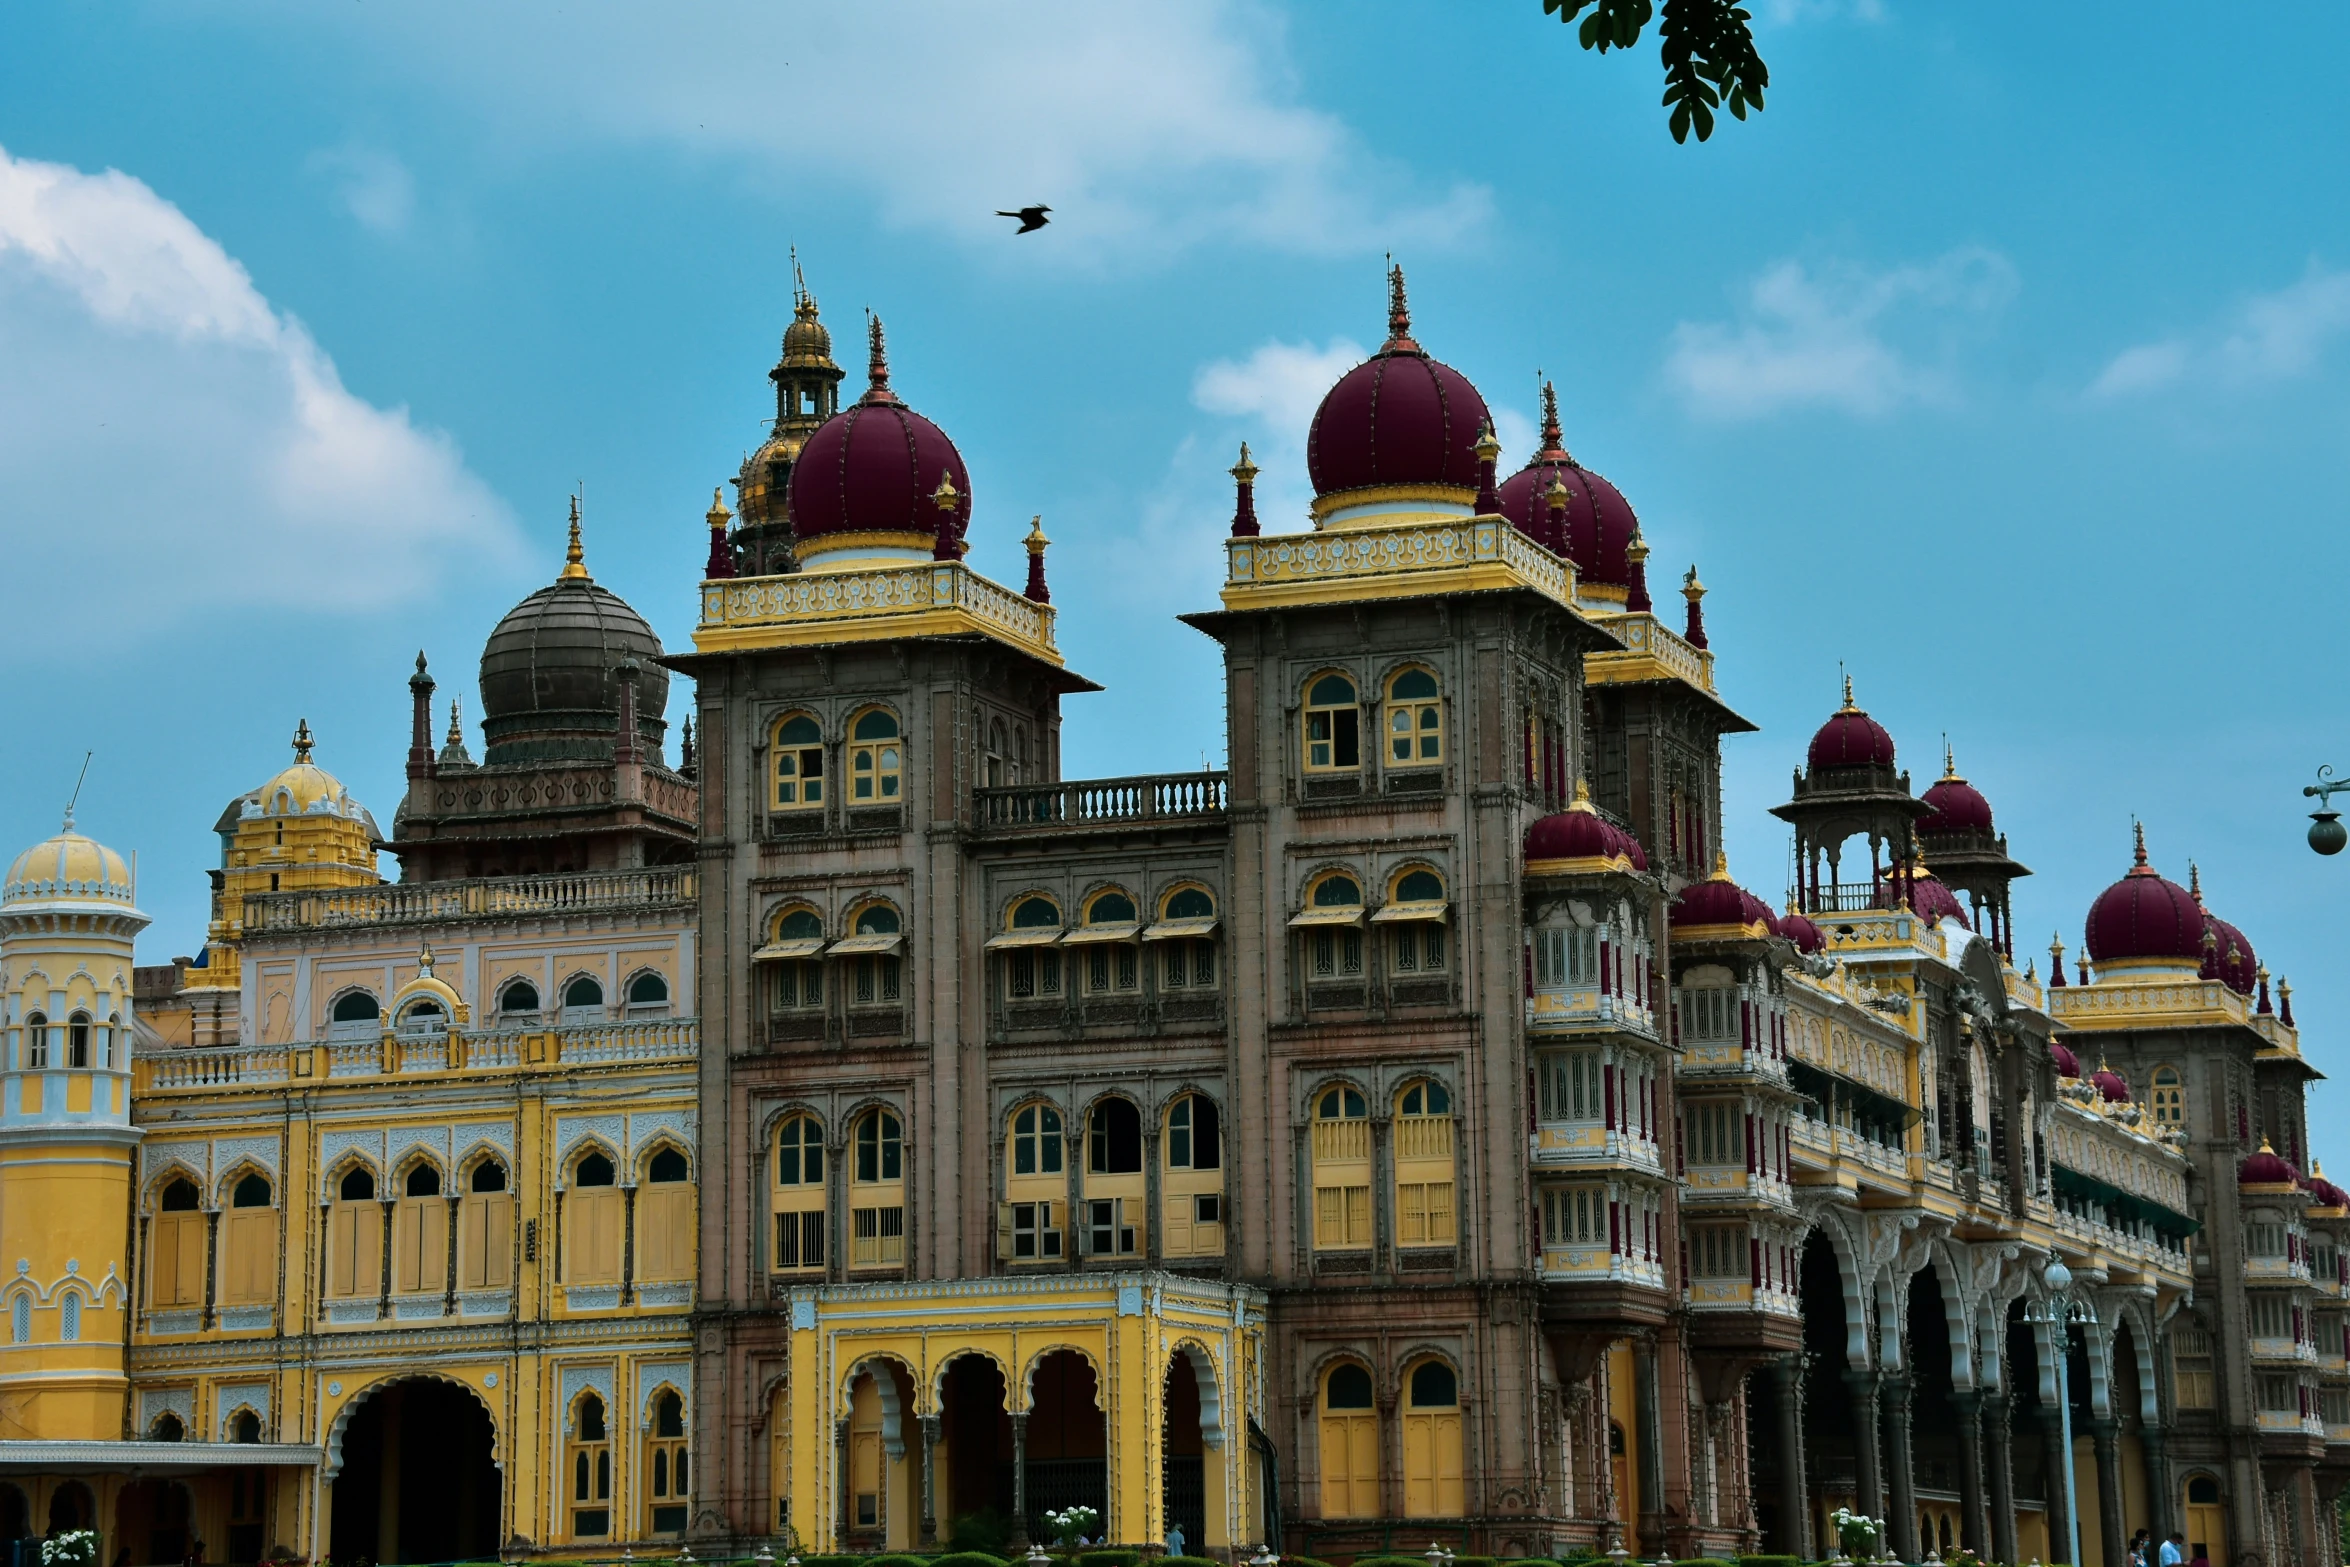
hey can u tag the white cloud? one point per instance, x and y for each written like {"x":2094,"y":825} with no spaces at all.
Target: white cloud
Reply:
{"x":1272,"y":395}
{"x":374,"y":187}
{"x":171,"y":445}
{"x":2268,"y":338}
{"x":1843,"y":337}
{"x":1141,"y":126}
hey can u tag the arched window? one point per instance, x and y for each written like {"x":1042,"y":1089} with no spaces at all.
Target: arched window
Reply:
{"x":2207,"y":1519}
{"x":249,"y":1243}
{"x":1111,"y":954}
{"x":519,"y":1002}
{"x":36,"y":1042}
{"x":1032,"y":963}
{"x":1415,"y":720}
{"x":20,"y":1318}
{"x":870,"y":952}
{"x":2169,"y":1097}
{"x":1350,"y":1443}
{"x":423,"y":1016}
{"x":1186,"y":936}
{"x":997,"y":751}
{"x":1424,"y":1208}
{"x":1192,"y":1185}
{"x":114,"y":1046}
{"x":2193,"y":1381}
{"x":245,"y":1427}
{"x":591,"y":1470}
{"x":69,"y":1318}
{"x":667,"y":1464}
{"x":177,"y":1264}
{"x":799,"y":764}
{"x":1342,"y":1170}
{"x":354,"y":1015}
{"x":1432,"y":1442}
{"x":1114,"y":1208}
{"x":1332,"y":921}
{"x":1036,"y":1189}
{"x":77,"y":1040}
{"x":593,"y":1220}
{"x":167,"y":1428}
{"x":874,"y":758}
{"x":583,"y":999}
{"x":1333,"y":725}
{"x":798,"y":1203}
{"x":420,"y":1233}
{"x":665,"y":1218}
{"x":797,"y":941}
{"x":648,"y":995}
{"x":1416,"y":909}
{"x":877,"y":1193}
{"x":485,"y":1229}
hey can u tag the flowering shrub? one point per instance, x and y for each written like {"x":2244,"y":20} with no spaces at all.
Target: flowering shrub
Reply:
{"x":1072,"y":1524}
{"x":73,"y":1548}
{"x":1857,"y":1533}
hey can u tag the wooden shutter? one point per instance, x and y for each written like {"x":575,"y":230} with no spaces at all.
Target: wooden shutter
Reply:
{"x":421,"y":1246}
{"x":355,"y":1241}
{"x":497,"y":1240}
{"x":665,"y":1231}
{"x":252,"y":1257}
{"x":595,"y":1235}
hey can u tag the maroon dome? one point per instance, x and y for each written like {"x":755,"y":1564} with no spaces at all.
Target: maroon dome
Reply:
{"x":1929,"y":899}
{"x":1796,"y":928}
{"x":2067,"y":1064}
{"x":2232,"y":957}
{"x":1399,"y":417}
{"x":1720,"y":901}
{"x":1580,"y":833}
{"x":2266,"y":1168}
{"x":1959,"y":807}
{"x":2112,"y":1087}
{"x":1599,"y":521}
{"x":1851,"y":738}
{"x":2145,"y":915}
{"x":874,"y":466}
{"x":2328,"y":1195}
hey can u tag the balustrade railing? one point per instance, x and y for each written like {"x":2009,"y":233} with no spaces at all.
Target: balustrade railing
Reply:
{"x":1094,"y":802}
{"x":507,"y":1049}
{"x":496,"y":897}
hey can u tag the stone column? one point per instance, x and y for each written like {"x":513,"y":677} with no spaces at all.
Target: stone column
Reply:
{"x":1650,"y":1481}
{"x":1868,"y":1472}
{"x":1904,"y":1506}
{"x":930,"y":1479}
{"x":1019,"y":1540}
{"x":840,"y":1469}
{"x":2109,"y":1487}
{"x":2157,"y":1483}
{"x":1973,"y":1522}
{"x":1794,"y":1497}
{"x":2002,"y":1466}
{"x":2060,"y":1502}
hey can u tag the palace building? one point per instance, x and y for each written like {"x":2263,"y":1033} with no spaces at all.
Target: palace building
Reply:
{"x":858,"y":1136}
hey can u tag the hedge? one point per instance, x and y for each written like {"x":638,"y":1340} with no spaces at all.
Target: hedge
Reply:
{"x":1109,"y":1558}
{"x":1770,"y":1561}
{"x":892,"y":1561}
{"x":956,"y":1559}
{"x":1208,"y":1561}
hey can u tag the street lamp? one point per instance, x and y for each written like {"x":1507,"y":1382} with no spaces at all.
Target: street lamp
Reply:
{"x":2327,"y":835}
{"x":2059,"y":1279}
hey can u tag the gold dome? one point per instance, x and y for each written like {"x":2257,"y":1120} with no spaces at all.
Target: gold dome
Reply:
{"x":759,"y":498}
{"x":805,"y":341}
{"x":304,"y":789}
{"x":68,"y":868}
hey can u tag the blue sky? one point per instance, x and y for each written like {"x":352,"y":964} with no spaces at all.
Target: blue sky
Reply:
{"x":2006,"y":359}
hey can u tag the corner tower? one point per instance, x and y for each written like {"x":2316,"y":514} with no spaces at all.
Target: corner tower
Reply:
{"x":807,"y":393}
{"x":67,"y":921}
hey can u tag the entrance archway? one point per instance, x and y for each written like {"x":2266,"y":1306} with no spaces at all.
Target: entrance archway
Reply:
{"x":1068,"y":1446}
{"x":72,"y":1507}
{"x":15,"y":1516}
{"x":977,"y":1484}
{"x":1831,"y":1439}
{"x":418,"y":1483}
{"x":151,"y":1522}
{"x":1185,"y":1487}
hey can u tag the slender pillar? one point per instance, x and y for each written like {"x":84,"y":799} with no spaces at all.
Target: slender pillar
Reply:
{"x":1019,"y":1540}
{"x":1868,"y":1472}
{"x":2157,"y":1482}
{"x":930,"y":1479}
{"x":1794,"y":1497}
{"x":1646,"y":1405}
{"x":2060,"y":1502}
{"x":1974,"y":1523}
{"x":2002,"y":1467}
{"x":840,"y":1469}
{"x":1904,"y":1487}
{"x":2109,"y":1487}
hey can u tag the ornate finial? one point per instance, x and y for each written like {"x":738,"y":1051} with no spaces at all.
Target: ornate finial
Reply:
{"x":1694,"y":591}
{"x":877,"y":364}
{"x":2056,"y":960}
{"x":1848,"y":706}
{"x":2138,"y":861}
{"x":1582,"y":800}
{"x":1487,"y":446}
{"x":2285,"y":1002}
{"x":1037,"y":592}
{"x":720,"y":565}
{"x":2082,"y":965}
{"x":1636,"y":599}
{"x":1244,"y":502}
{"x":717,"y":516}
{"x":685,"y":748}
{"x":802,"y":302}
{"x":1721,"y":866}
{"x":1553,"y":439}
{"x":456,"y":725}
{"x":2265,"y":1009}
{"x":1488,"y":450}
{"x":421,"y":683}
{"x":424,"y":960}
{"x":946,"y":498}
{"x":302,"y":740}
{"x":1399,"y":312}
{"x":1949,"y":759}
{"x":2265,"y":1148}
{"x":574,"y":558}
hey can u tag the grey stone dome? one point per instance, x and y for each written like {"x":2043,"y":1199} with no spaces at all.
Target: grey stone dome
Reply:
{"x":550,"y":688}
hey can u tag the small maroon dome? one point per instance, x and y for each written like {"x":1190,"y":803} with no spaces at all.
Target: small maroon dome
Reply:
{"x":1959,"y":807}
{"x":2145,"y":915}
{"x":1929,"y":899}
{"x":2067,"y":1064}
{"x":2112,"y":1087}
{"x":1399,"y":417}
{"x":1599,"y":521}
{"x":1851,"y":738}
{"x":1580,"y":833}
{"x":1800,"y":930}
{"x":2266,"y":1168}
{"x":2328,"y":1195}
{"x":874,"y":468}
{"x":2232,"y":958}
{"x":1720,"y":901}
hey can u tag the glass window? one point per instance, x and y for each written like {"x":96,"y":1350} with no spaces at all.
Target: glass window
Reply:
{"x":1415,"y":720}
{"x":584,"y":991}
{"x":1035,"y":913}
{"x":799,"y":1195}
{"x":1110,"y":908}
{"x":1194,"y":1134}
{"x":1036,"y":1141}
{"x":1333,"y":741}
{"x":77,"y":1040}
{"x":648,"y":990}
{"x":1342,"y":1171}
{"x":252,"y":1191}
{"x":799,"y":764}
{"x":519,"y":998}
{"x":1113,"y":1144}
{"x":2170,"y":1097}
{"x":879,"y":1153}
{"x":591,"y":1470}
{"x":874,"y":759}
{"x":1190,"y":903}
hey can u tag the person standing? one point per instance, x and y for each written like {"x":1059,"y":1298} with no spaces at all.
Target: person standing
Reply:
{"x":2174,"y":1551}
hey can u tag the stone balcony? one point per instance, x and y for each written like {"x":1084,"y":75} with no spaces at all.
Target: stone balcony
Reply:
{"x":413,"y":1057}
{"x":489,"y":898}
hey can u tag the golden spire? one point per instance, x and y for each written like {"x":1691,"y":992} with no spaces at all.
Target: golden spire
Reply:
{"x":2138,"y":830}
{"x":1582,"y":800}
{"x":1721,"y":866}
{"x":1487,"y":446}
{"x":1693,"y":590}
{"x":2195,"y":883}
{"x":877,"y":364}
{"x":1399,"y":313}
{"x":717,"y":516}
{"x":302,"y":740}
{"x":424,"y":959}
{"x":456,"y":727}
{"x":574,"y":557}
{"x":1244,"y":470}
{"x":1848,"y":705}
{"x":1636,"y":549}
{"x":946,"y":496}
{"x":1036,"y":541}
{"x":1949,"y":759}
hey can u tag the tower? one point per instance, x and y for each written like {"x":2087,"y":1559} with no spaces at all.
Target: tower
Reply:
{"x":807,"y":393}
{"x":67,"y":921}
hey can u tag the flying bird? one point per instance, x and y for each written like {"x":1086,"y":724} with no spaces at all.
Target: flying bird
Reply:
{"x":1031,"y":218}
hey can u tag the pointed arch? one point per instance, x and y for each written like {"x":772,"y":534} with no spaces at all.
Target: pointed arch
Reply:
{"x":341,"y":1423}
{"x":1211,"y":1395}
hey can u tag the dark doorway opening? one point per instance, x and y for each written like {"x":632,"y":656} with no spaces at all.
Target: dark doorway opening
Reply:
{"x":151,"y":1522}
{"x":978,"y":1430}
{"x":1068,"y":1449}
{"x":72,"y":1507}
{"x":418,"y":1483}
{"x":1184,"y":1495}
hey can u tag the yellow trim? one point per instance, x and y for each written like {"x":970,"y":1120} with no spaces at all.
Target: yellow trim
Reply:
{"x":1352,"y":914}
{"x":1386,"y":494}
{"x":871,"y":603}
{"x":1397,"y":560}
{"x":813,"y":550}
{"x":1652,"y":651}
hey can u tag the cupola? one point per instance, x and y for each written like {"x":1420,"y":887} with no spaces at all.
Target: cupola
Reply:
{"x":1959,"y":807}
{"x":1719,"y":909}
{"x":1598,"y":526}
{"x":1850,"y":738}
{"x":1397,"y":436}
{"x":2267,"y":1170}
{"x":2146,"y":921}
{"x":2227,"y":951}
{"x":864,"y":489}
{"x":1580,"y":839}
{"x":1799,"y":929}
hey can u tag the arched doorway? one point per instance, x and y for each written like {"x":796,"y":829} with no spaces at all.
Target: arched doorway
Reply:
{"x":151,"y":1522}
{"x":16,"y":1516}
{"x":1935,"y":1454}
{"x":418,"y":1483}
{"x":2207,"y":1520}
{"x":1068,"y":1448}
{"x":975,"y":1477}
{"x":72,"y":1507}
{"x":1184,"y":1488}
{"x":1831,"y":1443}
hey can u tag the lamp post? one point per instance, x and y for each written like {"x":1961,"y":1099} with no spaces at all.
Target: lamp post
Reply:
{"x":2059,"y":1279}
{"x":2327,"y":835}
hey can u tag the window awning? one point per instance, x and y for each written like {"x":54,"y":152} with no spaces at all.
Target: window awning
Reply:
{"x":857,"y":946}
{"x":1181,"y":930}
{"x":1411,"y":911}
{"x":1026,"y":936}
{"x":1349,"y":914}
{"x":802,"y":947}
{"x":2088,"y":1188}
{"x":1111,"y":930}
